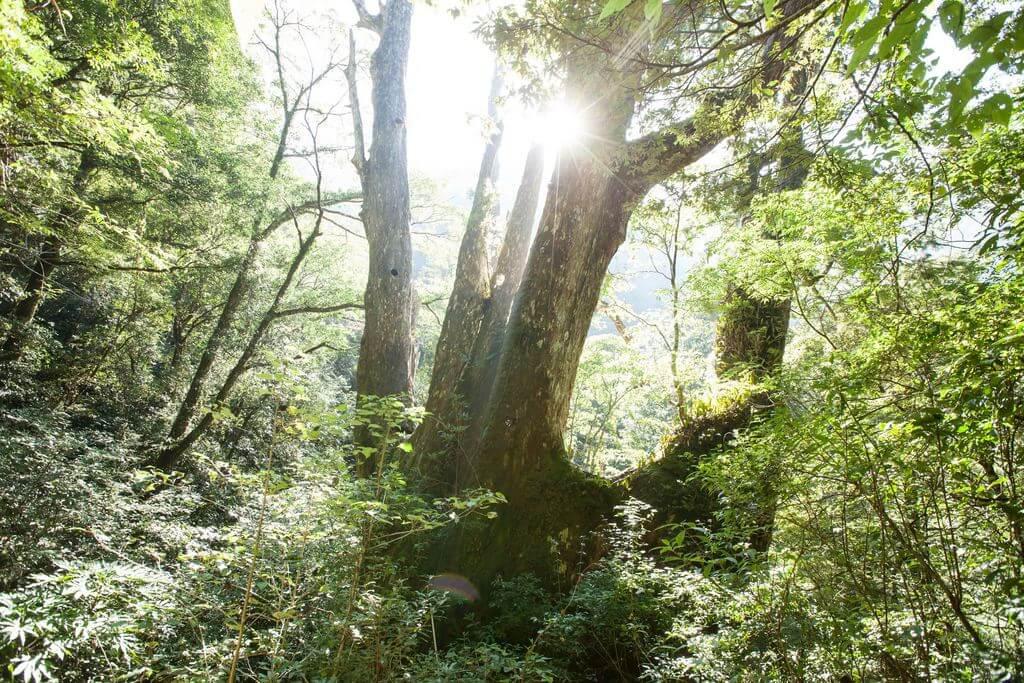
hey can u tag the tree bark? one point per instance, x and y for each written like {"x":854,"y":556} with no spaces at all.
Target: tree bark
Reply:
{"x":438,"y":441}
{"x":521,"y":452}
{"x":505,"y":282}
{"x":387,"y":360}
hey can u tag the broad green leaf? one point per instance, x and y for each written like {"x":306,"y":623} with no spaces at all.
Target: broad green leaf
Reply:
{"x":982,"y":36}
{"x":907,"y":24}
{"x":951,"y":17}
{"x":998,"y":109}
{"x":854,"y":12}
{"x":864,"y":40}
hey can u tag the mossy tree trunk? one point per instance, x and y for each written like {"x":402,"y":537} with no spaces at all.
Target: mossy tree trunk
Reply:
{"x":750,"y":343}
{"x":505,"y":279}
{"x":447,"y":460}
{"x":521,"y":450}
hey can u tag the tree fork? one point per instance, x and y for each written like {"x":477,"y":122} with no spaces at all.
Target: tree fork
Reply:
{"x":468,"y":303}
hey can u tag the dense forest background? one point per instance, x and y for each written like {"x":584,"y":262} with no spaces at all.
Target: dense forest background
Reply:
{"x":720,"y":381}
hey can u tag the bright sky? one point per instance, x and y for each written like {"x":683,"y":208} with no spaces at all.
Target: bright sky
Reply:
{"x":447,"y":85}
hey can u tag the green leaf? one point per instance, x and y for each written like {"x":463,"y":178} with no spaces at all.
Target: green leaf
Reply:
{"x":982,"y":36}
{"x":613,"y":7}
{"x":961,"y":91}
{"x":998,"y":109}
{"x":405,"y":446}
{"x":860,"y":53}
{"x":864,"y":40}
{"x":854,"y":12}
{"x":905,"y":26}
{"x":652,"y":11}
{"x":951,"y":17}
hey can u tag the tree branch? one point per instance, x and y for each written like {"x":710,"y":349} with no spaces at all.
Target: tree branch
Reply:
{"x":367,"y":19}
{"x":651,"y":159}
{"x":321,"y":345}
{"x":317,"y":204}
{"x":303,"y":310}
{"x":654,"y":157}
{"x":359,"y":151}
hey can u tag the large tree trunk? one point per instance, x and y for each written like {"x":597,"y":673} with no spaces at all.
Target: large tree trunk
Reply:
{"x":439,"y":439}
{"x":387,"y":353}
{"x":552,"y":505}
{"x":521,"y":452}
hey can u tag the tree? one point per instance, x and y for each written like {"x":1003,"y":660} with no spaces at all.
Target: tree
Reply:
{"x":387,"y":354}
{"x":593,"y":194}
{"x":95,"y":118}
{"x":299,"y":106}
{"x":506,"y":278}
{"x":467,"y":305}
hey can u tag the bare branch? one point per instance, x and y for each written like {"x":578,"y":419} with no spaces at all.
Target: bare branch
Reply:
{"x":321,"y":345}
{"x":367,"y":19}
{"x":359,"y":153}
{"x":309,"y":206}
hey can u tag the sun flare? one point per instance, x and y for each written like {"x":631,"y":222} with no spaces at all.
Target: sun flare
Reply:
{"x":561,"y":126}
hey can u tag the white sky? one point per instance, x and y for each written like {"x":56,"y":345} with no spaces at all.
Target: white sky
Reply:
{"x":447,"y":85}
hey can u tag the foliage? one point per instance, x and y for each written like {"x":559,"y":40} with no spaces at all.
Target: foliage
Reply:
{"x":99,"y":618}
{"x":615,"y":420}
{"x":313,"y":540}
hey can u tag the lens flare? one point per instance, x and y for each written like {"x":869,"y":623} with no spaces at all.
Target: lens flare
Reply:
{"x":454,"y":583}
